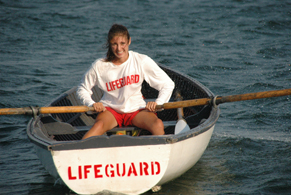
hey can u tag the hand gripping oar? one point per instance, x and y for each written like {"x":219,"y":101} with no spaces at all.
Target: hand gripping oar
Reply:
{"x":171,"y":105}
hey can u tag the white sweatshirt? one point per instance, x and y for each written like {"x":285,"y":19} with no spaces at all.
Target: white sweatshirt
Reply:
{"x":122,"y":83}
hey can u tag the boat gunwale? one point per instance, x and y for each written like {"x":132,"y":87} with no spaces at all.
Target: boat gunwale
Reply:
{"x":120,"y":140}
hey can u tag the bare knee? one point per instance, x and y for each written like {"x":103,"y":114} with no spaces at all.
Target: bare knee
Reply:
{"x":96,"y":129}
{"x":157,"y":127}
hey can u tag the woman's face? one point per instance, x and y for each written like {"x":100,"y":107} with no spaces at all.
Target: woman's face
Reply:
{"x":120,"y":46}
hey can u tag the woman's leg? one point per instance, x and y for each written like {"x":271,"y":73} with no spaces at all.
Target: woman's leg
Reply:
{"x":104,"y":122}
{"x":149,"y":121}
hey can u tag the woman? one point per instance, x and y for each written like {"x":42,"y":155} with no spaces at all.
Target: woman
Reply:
{"x":120,"y":75}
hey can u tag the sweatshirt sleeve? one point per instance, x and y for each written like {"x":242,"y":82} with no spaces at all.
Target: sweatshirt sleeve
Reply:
{"x":84,"y":90}
{"x":159,"y":80}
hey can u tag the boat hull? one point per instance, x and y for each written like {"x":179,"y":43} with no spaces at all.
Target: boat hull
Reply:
{"x":185,"y":154}
{"x":129,"y":169}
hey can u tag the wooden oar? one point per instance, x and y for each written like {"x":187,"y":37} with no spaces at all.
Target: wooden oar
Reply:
{"x":170,"y":105}
{"x":45,"y":110}
{"x":181,"y":125}
{"x":224,"y":99}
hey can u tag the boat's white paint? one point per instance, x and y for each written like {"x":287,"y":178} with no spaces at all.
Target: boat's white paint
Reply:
{"x":185,"y":154}
{"x":173,"y":159}
{"x":107,"y":157}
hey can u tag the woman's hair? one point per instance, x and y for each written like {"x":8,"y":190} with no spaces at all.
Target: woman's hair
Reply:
{"x":116,"y":29}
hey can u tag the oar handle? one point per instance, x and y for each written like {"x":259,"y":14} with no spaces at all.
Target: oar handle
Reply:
{"x":65,"y":109}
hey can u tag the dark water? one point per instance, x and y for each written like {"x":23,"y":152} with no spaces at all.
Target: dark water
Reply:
{"x":231,"y":46}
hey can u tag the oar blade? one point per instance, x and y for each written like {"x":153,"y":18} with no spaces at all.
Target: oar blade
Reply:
{"x":181,"y":126}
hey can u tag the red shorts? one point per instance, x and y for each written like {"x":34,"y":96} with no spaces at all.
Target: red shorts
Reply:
{"x":123,"y":119}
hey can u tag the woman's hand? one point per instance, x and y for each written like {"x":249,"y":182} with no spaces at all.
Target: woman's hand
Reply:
{"x":151,"y":106}
{"x":98,"y":106}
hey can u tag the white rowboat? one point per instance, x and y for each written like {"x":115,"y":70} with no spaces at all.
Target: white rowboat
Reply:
{"x":123,"y":163}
